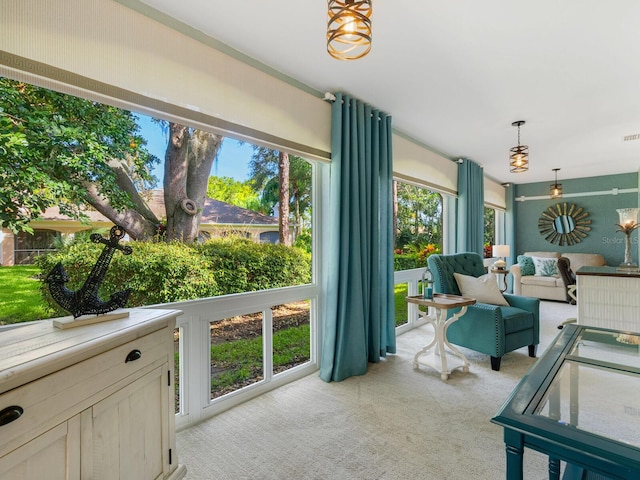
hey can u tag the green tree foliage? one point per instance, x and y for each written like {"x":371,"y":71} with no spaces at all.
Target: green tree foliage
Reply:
{"x":58,"y":149}
{"x":264,"y":178}
{"x":241,"y":265}
{"x":240,"y":194}
{"x":303,"y":241}
{"x":419,"y":217}
{"x":53,"y":145}
{"x":489,"y":226}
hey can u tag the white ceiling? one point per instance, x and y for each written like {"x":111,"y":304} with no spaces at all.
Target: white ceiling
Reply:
{"x":456,"y":75}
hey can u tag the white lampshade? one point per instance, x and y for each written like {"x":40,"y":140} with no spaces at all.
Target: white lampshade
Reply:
{"x":501,"y":251}
{"x":628,"y":216}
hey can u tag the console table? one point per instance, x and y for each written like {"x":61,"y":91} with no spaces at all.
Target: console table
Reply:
{"x":89,"y":402}
{"x":608,"y":298}
{"x":438,"y":357}
{"x":578,"y":404}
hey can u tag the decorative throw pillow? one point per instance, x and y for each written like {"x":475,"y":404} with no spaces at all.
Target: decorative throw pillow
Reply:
{"x":546,"y":267}
{"x":526,"y":265}
{"x":484,"y":289}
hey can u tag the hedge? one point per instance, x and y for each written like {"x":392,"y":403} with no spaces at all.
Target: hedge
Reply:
{"x":172,"y":272}
{"x":244,"y":266}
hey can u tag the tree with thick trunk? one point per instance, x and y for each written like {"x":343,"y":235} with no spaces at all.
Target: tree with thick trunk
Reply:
{"x":65,"y":151}
{"x":190,"y":155}
{"x":283,"y":198}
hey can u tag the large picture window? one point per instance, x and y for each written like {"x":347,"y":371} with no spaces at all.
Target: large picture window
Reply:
{"x":419,"y":233}
{"x":221,"y":229}
{"x":489,"y":231}
{"x":419,"y":225}
{"x":88,"y":165}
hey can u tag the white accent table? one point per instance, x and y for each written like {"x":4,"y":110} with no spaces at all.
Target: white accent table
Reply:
{"x":438,"y":358}
{"x":504,"y":272}
{"x":608,"y":298}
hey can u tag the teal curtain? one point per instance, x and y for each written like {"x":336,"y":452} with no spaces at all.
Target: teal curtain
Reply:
{"x":358,"y":321}
{"x":470,"y":210}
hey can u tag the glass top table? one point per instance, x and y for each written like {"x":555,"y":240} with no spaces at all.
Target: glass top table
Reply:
{"x":579,"y":403}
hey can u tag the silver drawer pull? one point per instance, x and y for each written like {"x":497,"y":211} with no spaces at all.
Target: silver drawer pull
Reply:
{"x":133,"y":355}
{"x":9,"y":414}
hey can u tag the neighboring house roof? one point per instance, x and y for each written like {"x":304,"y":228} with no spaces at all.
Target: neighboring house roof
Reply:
{"x":52,"y":214}
{"x":214,"y":212}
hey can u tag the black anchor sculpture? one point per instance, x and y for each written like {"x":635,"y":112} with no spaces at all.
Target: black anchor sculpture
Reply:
{"x":85,"y":301}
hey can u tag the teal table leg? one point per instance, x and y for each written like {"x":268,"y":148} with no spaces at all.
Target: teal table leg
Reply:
{"x":515,"y":452}
{"x":554,"y":469}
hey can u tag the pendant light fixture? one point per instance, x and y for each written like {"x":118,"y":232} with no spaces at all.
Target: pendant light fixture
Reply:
{"x":519,"y":158}
{"x":555,"y":189}
{"x":349,"y":29}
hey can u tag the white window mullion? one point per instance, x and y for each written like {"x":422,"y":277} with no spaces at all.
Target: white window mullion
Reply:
{"x":267,"y":344}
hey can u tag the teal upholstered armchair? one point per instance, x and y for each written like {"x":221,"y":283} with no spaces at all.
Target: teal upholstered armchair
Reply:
{"x":491,"y":329}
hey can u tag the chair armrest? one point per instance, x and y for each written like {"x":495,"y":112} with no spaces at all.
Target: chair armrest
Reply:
{"x":481,"y":328}
{"x":516,"y":273}
{"x":530,"y":304}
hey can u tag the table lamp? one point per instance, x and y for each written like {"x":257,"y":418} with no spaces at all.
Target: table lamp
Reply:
{"x":628,"y":223}
{"x":500,"y":251}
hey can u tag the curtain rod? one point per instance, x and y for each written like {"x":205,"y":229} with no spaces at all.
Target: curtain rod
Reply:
{"x":613,"y":191}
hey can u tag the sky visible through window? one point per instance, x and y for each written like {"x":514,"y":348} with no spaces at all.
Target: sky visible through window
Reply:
{"x":233,"y":158}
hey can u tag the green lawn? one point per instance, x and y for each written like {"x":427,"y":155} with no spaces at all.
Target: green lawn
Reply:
{"x":400,"y":292}
{"x":238,"y":363}
{"x":20,"y":299}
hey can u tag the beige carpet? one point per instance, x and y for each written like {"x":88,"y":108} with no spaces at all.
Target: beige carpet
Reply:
{"x":392,"y":423}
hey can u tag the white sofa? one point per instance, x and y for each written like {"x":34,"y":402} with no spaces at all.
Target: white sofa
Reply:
{"x":550,"y":288}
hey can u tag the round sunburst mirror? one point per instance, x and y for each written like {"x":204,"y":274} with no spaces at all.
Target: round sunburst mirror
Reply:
{"x":564,"y":224}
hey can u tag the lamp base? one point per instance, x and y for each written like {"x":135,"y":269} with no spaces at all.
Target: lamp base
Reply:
{"x":629,"y":267}
{"x":500,"y":264}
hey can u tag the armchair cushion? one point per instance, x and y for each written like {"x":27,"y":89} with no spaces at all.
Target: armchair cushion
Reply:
{"x":516,"y":319}
{"x":484,"y":288}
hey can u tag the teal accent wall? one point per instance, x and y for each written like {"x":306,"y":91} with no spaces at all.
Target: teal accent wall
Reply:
{"x":602,"y":238}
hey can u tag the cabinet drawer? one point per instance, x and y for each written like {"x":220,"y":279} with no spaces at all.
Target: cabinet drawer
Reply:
{"x":52,"y":399}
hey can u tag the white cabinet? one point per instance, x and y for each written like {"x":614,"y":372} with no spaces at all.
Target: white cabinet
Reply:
{"x":608,"y":298}
{"x":46,"y":456}
{"x":89,"y":402}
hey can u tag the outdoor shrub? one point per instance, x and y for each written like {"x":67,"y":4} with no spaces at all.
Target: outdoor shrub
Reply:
{"x":155,"y":272}
{"x":303,"y":241}
{"x":407,"y":261}
{"x":163,"y":273}
{"x":172,"y":272}
{"x":241,"y":265}
{"x":413,"y":256}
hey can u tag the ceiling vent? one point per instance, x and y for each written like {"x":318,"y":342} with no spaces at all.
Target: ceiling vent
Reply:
{"x":628,"y":138}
